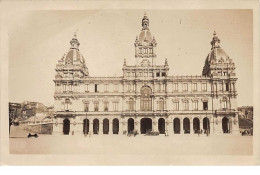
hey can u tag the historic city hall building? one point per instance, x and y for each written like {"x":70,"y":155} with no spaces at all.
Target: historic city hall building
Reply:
{"x":145,"y":98}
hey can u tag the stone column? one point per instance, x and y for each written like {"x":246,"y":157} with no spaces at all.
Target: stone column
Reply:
{"x":137,"y":125}
{"x":110,"y":131}
{"x":191,"y":128}
{"x":137,"y":104}
{"x":100,"y":132}
{"x":91,"y":126}
{"x":169,"y":126}
{"x":155,"y":125}
{"x":78,"y":129}
{"x":166,"y":103}
{"x":201,"y":125}
{"x":57,"y":128}
{"x":181,"y":127}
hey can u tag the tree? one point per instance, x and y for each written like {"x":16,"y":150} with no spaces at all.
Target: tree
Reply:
{"x":14,"y":113}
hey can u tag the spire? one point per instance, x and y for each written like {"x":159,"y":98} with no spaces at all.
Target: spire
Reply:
{"x":215,"y":41}
{"x":74,"y":43}
{"x":124,"y":62}
{"x":145,"y":22}
{"x":166,"y":62}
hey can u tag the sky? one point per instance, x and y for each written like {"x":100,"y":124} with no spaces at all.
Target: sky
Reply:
{"x":38,"y":39}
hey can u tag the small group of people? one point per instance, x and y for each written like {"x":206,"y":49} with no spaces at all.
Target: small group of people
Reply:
{"x":201,"y":132}
{"x":248,"y":132}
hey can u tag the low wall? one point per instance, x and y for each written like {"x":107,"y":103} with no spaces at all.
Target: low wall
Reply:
{"x":39,"y":129}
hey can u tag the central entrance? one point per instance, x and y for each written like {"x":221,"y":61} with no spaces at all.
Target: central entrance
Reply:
{"x":146,"y":125}
{"x":66,"y":127}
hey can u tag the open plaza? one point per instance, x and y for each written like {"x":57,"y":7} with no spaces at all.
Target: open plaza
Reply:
{"x":174,"y":145}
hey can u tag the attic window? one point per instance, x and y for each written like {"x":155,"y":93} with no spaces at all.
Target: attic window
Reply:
{"x":157,"y":74}
{"x":163,"y":74}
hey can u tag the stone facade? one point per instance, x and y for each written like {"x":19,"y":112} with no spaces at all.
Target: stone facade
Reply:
{"x":145,"y":98}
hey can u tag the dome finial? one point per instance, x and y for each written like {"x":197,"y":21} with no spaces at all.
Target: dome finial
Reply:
{"x":145,"y":22}
{"x":215,"y":41}
{"x":74,"y":42}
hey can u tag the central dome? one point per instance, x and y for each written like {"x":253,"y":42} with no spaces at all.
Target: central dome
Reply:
{"x":145,"y":35}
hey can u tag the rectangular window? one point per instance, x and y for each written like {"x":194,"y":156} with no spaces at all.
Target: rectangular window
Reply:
{"x":227,"y":87}
{"x":159,"y":88}
{"x":204,"y":87}
{"x":161,"y":104}
{"x":175,"y":87}
{"x":115,"y":106}
{"x":176,"y":105}
{"x":106,"y":106}
{"x":194,"y":86}
{"x":151,"y":51}
{"x":220,"y":87}
{"x":157,"y":74}
{"x":96,"y":106}
{"x":64,"y":87}
{"x":116,"y":87}
{"x":86,"y":107}
{"x":224,"y":104}
{"x":106,"y":88}
{"x":86,"y":88}
{"x":185,"y":87}
{"x":186,"y":105}
{"x":205,"y":105}
{"x":163,"y":74}
{"x":131,"y":105}
{"x":96,"y":87}
{"x":128,"y":87}
{"x":195,"y":107}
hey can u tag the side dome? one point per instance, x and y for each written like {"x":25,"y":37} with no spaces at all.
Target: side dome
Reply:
{"x":217,"y":55}
{"x":217,"y":59}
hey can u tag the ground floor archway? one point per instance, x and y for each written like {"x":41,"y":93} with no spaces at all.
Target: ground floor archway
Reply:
{"x":196,"y":125}
{"x":161,"y":126}
{"x":66,"y":126}
{"x":146,"y":125}
{"x":115,"y":126}
{"x":95,"y":126}
{"x":206,"y":125}
{"x":225,"y":125}
{"x":85,"y":126}
{"x":105,"y":126}
{"x":186,"y":126}
{"x":176,"y":126}
{"x":130,"y":125}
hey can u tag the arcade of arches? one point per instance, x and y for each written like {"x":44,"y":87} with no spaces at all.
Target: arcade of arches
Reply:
{"x":145,"y":125}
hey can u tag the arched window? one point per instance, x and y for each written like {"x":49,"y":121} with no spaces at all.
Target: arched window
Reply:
{"x":146,"y":99}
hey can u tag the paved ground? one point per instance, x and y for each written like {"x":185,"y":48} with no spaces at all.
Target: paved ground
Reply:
{"x":140,"y":145}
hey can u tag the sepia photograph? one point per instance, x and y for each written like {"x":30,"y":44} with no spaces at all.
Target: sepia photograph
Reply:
{"x":145,"y":86}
